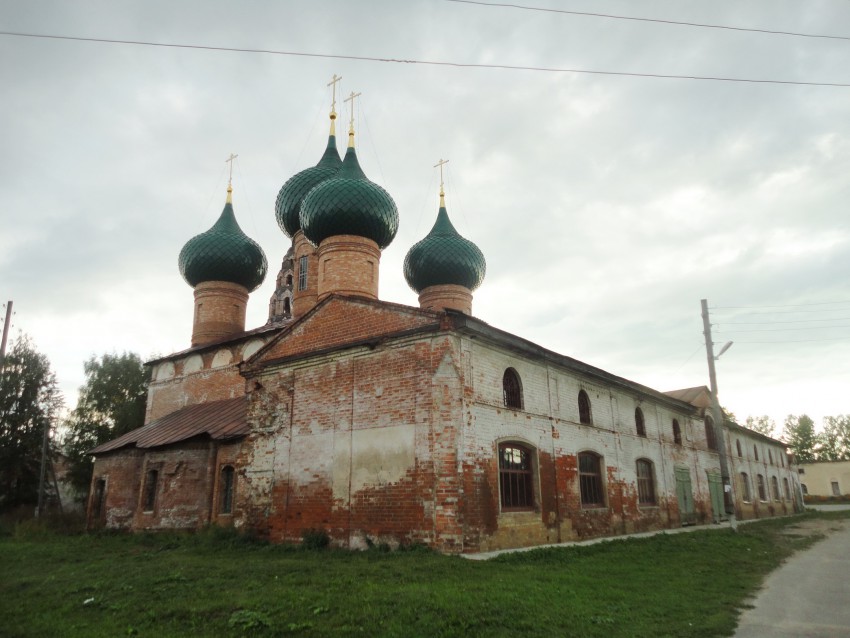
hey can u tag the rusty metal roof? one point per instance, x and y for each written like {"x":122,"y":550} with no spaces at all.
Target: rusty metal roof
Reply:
{"x":698,"y":396}
{"x":219,"y":420}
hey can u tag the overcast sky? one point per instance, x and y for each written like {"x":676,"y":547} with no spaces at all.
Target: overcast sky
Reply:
{"x":606,"y":206}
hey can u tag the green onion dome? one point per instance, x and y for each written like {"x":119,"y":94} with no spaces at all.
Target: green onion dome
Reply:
{"x":223,"y":253}
{"x":444,"y":257}
{"x":349,"y":204}
{"x":292,"y":193}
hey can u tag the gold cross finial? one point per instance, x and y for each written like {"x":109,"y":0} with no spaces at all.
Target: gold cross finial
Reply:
{"x":333,"y":84}
{"x":350,"y":98}
{"x":442,"y":192}
{"x":230,"y":178}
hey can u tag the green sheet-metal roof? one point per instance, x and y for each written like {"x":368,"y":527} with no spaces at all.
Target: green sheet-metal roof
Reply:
{"x":444,"y":257}
{"x":223,"y":253}
{"x":349,"y":204}
{"x":292,"y":193}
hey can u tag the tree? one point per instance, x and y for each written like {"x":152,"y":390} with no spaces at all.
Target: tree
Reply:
{"x":799,"y":435}
{"x":111,"y":403}
{"x":834,"y":441}
{"x":30,"y":401}
{"x":761,"y":424}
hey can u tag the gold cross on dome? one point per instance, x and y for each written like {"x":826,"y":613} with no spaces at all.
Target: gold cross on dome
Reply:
{"x":333,"y":84}
{"x":230,"y":160}
{"x":350,"y":98}
{"x":440,"y":164}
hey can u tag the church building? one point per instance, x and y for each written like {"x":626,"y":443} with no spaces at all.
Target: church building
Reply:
{"x":376,"y":422}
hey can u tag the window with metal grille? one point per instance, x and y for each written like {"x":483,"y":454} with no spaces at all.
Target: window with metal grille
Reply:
{"x":740,"y":451}
{"x":584,"y":415}
{"x":225,"y":490}
{"x":151,"y":480}
{"x":746,"y":493}
{"x":786,"y":489}
{"x":762,"y":488}
{"x":590,"y":479}
{"x":645,"y":482}
{"x":302,"y":273}
{"x":677,"y":433}
{"x":710,"y":438}
{"x":512,"y":389}
{"x":516,"y":477}
{"x":640,"y":424}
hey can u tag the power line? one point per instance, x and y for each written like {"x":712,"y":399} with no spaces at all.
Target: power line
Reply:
{"x":781,"y":341}
{"x":767,"y":323}
{"x":736,"y":330}
{"x":463,"y":65}
{"x":792,"y":305}
{"x":655,"y":20}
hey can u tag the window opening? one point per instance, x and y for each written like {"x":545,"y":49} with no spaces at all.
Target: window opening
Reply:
{"x":515,"y":477}
{"x":677,"y":433}
{"x":289,"y":280}
{"x":746,"y":493}
{"x":740,"y":451}
{"x":512,"y":389}
{"x":590,"y":479}
{"x":774,"y":488}
{"x":835,"y":489}
{"x":302,"y":273}
{"x":97,"y":500}
{"x":646,"y":482}
{"x":804,"y":488}
{"x":756,"y":452}
{"x":762,"y":488}
{"x":710,"y":438}
{"x":770,"y":456}
{"x":786,"y":489}
{"x":640,"y":424}
{"x":150,"y":490}
{"x":287,"y":309}
{"x":584,"y":415}
{"x":226,"y":490}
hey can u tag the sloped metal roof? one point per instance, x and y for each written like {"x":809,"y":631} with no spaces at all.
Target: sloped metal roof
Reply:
{"x":219,"y":420}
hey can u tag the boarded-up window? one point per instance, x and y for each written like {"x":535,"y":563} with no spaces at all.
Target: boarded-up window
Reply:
{"x":516,"y":477}
{"x":640,"y":424}
{"x":646,"y":482}
{"x":512,"y":389}
{"x":584,"y":414}
{"x":225,"y":488}
{"x":98,"y":498}
{"x":590,"y":479}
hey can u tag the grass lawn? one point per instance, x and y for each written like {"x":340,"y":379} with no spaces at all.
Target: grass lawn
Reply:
{"x":218,"y":584}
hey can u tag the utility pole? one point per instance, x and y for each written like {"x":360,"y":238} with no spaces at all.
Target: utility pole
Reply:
{"x":6,"y":325}
{"x":717,"y":413}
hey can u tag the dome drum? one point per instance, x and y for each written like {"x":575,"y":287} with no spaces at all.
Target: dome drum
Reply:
{"x":446,"y":297}
{"x":349,"y":265}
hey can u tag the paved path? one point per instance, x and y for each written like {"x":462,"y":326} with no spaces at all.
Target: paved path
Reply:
{"x":807,"y":597}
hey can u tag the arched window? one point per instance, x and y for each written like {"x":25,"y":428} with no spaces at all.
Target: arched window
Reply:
{"x":804,"y":488}
{"x":512,"y":389}
{"x":738,"y":445}
{"x":770,"y":456}
{"x":746,"y":494}
{"x":786,"y":489}
{"x":645,"y":482}
{"x":774,"y":488}
{"x":590,"y":479}
{"x":756,"y":452}
{"x":782,"y":459}
{"x":584,"y":415}
{"x":516,"y":477}
{"x":677,"y":433}
{"x":710,"y":438}
{"x":640,"y":424}
{"x":289,"y":280}
{"x":302,"y":273}
{"x":149,"y":501}
{"x":762,"y":488}
{"x":225,"y":490}
{"x":287,"y":308}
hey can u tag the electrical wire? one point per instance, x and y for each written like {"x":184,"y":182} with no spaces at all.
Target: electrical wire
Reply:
{"x":655,"y":20}
{"x":767,"y":323}
{"x":792,"y":305}
{"x":460,"y":65}
{"x":736,"y":330}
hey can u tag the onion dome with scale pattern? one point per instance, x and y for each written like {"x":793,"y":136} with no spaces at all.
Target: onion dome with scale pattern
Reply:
{"x":443,"y":257}
{"x":223,"y":253}
{"x":349,"y":204}
{"x":291,"y":196}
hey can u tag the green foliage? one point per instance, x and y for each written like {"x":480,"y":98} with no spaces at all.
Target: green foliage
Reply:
{"x":761,"y":424}
{"x":111,"y":403}
{"x":29,"y":402}
{"x":799,"y":434}
{"x":688,"y":585}
{"x":834,"y":441}
{"x":315,"y":539}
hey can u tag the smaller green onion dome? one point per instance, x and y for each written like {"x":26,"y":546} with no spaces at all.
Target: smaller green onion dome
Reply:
{"x":443,"y":257}
{"x":223,"y":253}
{"x":349,"y":204}
{"x":292,"y":193}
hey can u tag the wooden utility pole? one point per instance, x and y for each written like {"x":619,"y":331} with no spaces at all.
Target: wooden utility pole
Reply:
{"x":717,"y":413}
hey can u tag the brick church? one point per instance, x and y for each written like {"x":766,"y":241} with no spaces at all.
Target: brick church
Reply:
{"x":379,"y":422}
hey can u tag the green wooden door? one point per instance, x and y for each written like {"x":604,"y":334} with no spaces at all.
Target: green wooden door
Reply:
{"x":685,"y":495}
{"x":715,"y":490}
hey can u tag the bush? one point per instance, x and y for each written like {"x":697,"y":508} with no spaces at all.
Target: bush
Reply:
{"x":315,"y":539}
